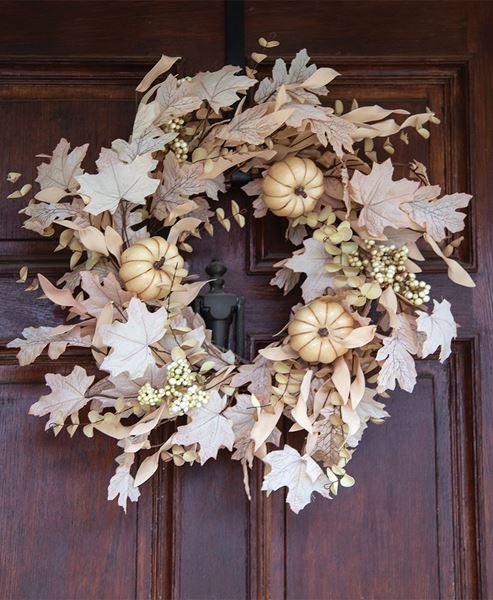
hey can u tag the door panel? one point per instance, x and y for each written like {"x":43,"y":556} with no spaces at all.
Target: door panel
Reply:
{"x":418,"y":523}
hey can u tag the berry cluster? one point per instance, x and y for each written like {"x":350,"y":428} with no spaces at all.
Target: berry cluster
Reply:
{"x":179,"y":146}
{"x":181,"y":390}
{"x":387,"y":266}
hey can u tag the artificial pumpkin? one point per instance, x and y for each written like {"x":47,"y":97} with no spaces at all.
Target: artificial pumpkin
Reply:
{"x":317,"y":329}
{"x":292,"y":187}
{"x":150,"y":266}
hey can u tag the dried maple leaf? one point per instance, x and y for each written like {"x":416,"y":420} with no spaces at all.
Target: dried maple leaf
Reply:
{"x":130,"y":341}
{"x":208,"y":428}
{"x":122,"y":484}
{"x":381,"y":198}
{"x":329,"y":128}
{"x":298,"y":72}
{"x":252,"y":126}
{"x":396,"y":353}
{"x":176,"y":100}
{"x":312,"y":262}
{"x":67,"y":396}
{"x":300,"y":474}
{"x":259,"y":376}
{"x":42,"y":215}
{"x":437,"y":214}
{"x":220,"y":88}
{"x":101,"y":292}
{"x":177,"y":183}
{"x":146,"y":136}
{"x":439,"y":327}
{"x":63,"y":168}
{"x":119,"y":181}
{"x":56,"y":338}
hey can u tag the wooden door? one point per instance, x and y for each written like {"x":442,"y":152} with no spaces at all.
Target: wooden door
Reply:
{"x":419,"y":522}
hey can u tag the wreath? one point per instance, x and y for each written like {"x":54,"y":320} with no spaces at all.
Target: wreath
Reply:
{"x":358,"y":232}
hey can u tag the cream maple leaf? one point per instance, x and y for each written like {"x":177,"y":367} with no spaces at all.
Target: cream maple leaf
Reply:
{"x":178,"y":182}
{"x":118,"y":181}
{"x":67,"y":396}
{"x":220,"y":88}
{"x":439,"y":327}
{"x":437,"y":214}
{"x":300,"y":474}
{"x":130,"y":341}
{"x":381,"y":198}
{"x":63,"y":168}
{"x":208,"y":428}
{"x":312,"y":262}
{"x":398,"y":364}
{"x":122,"y":484}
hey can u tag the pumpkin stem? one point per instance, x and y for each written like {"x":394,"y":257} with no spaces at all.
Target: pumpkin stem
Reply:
{"x":159,"y":263}
{"x":299,"y":191}
{"x":323,"y":332}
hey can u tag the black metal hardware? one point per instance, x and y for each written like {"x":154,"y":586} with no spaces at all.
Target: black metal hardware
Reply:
{"x":220,"y":310}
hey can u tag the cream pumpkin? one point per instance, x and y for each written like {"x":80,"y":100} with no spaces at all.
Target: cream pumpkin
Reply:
{"x":150,"y":266}
{"x":317,"y":329}
{"x":292,"y":187}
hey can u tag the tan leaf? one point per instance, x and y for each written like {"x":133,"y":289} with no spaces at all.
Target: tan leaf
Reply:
{"x":122,"y":483}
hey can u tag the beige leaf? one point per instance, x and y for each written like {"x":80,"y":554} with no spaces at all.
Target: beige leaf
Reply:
{"x":381,"y":198}
{"x":130,"y":341}
{"x":176,"y":100}
{"x":456,"y":272}
{"x":119,"y":181}
{"x":299,"y":412}
{"x":312,"y":262}
{"x":220,"y":88}
{"x":300,"y":474}
{"x":398,"y":364}
{"x":341,"y":378}
{"x":252,"y":126}
{"x":208,"y":428}
{"x":164,"y":64}
{"x":67,"y":396}
{"x":63,"y":168}
{"x":122,"y":483}
{"x":93,"y":239}
{"x":439,"y":328}
{"x":436,"y":215}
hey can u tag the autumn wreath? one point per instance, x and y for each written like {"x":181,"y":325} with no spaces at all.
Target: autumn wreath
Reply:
{"x":358,"y":231}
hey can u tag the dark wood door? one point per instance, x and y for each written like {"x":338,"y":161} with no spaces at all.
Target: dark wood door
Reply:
{"x":419,"y":522}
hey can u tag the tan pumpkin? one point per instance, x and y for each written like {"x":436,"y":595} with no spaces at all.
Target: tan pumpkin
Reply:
{"x":149,"y":267}
{"x":317,"y":329}
{"x":292,"y":187}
